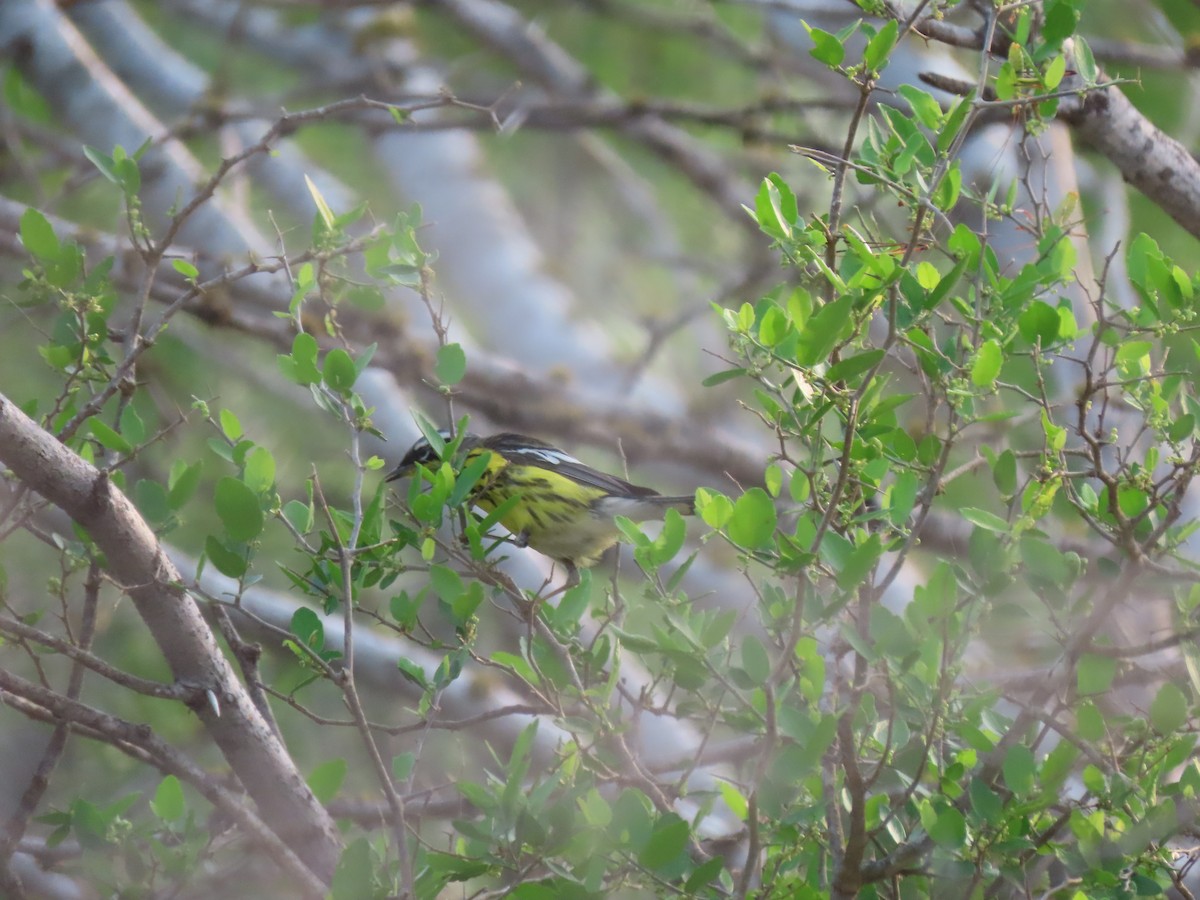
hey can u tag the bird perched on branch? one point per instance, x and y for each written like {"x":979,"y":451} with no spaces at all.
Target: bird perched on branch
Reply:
{"x":565,"y":508}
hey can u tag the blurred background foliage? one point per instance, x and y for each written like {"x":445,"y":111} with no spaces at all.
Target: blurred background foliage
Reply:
{"x":581,"y":167}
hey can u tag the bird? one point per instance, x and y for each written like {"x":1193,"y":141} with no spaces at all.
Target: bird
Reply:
{"x":566,"y":509}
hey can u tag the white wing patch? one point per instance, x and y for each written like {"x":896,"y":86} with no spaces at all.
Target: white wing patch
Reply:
{"x":550,"y":455}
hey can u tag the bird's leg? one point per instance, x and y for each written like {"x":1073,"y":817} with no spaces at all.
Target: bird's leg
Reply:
{"x":521,"y":538}
{"x":572,"y":580}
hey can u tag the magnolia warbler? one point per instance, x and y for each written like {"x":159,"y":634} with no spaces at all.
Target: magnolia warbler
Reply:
{"x":566,"y":508}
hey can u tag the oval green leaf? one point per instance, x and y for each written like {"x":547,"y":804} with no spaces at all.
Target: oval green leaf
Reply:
{"x":984,"y":519}
{"x":987,"y":364}
{"x":260,"y":470}
{"x":1169,"y":710}
{"x":168,"y":800}
{"x":326,"y":779}
{"x":451,"y":364}
{"x":1038,"y":324}
{"x":339,"y":372}
{"x":239,"y":509}
{"x":752,"y":524}
{"x":228,"y":562}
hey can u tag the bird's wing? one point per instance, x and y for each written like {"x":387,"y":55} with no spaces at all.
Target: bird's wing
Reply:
{"x":532,"y":452}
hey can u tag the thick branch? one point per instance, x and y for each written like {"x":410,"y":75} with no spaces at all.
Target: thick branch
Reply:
{"x":136,"y":560}
{"x":1149,"y":159}
{"x":140,"y":742}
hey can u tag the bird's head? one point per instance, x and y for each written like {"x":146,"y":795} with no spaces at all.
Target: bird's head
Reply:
{"x":422,"y":453}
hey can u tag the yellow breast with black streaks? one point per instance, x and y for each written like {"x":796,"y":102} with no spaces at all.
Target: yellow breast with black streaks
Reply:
{"x":555,"y":515}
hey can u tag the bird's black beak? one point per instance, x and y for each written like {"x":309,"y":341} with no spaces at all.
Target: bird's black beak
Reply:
{"x":401,"y":471}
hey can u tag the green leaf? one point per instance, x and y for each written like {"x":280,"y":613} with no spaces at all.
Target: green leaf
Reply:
{"x":1169,"y":710}
{"x":945,"y":824}
{"x":722,"y":377}
{"x":168,"y":803}
{"x":1061,"y":17}
{"x":1056,"y":435}
{"x":1039,"y":323}
{"x":259,"y":475}
{"x":451,"y":364}
{"x":133,"y":429}
{"x":24,"y":100}
{"x":734,"y":799}
{"x":402,"y":765}
{"x":985,"y":802}
{"x":755,"y":660}
{"x":1091,"y":723}
{"x":954,"y":123}
{"x":1133,"y":358}
{"x":856,"y":567}
{"x":1058,"y":764}
{"x":752,"y":524}
{"x":1095,"y":673}
{"x":414,"y":672}
{"x":1019,"y":770}
{"x":128,"y":177}
{"x":1054,"y":73}
{"x":229,"y":563}
{"x":186,"y":269}
{"x":465,"y":604}
{"x":1182,"y":428}
{"x":881,"y":45}
{"x":239,"y":509}
{"x":945,"y":284}
{"x":669,"y":541}
{"x":231,"y":427}
{"x":38,"y":236}
{"x":923,"y":104}
{"x":987,"y":364}
{"x":827,"y":48}
{"x":151,"y":500}
{"x":949,"y":187}
{"x":354,"y":877}
{"x":773,"y":478}
{"x":108,"y":438}
{"x":299,"y":514}
{"x":308,"y":627}
{"x":301,"y":364}
{"x":714,"y":508}
{"x":104,"y":163}
{"x":820,"y":333}
{"x":853,"y":365}
{"x":705,"y":874}
{"x":183,"y":483}
{"x":324,"y":213}
{"x":445,"y":867}
{"x":666,"y":843}
{"x":774,"y":327}
{"x":447,"y":583}
{"x":339,"y":372}
{"x":1004,"y":473}
{"x":985,"y":519}
{"x":775,"y":207}
{"x":1084,"y":60}
{"x":326,"y":779}
{"x":903,"y":497}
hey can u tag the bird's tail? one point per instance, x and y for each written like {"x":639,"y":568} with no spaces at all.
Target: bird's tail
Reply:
{"x":685,"y":505}
{"x":641,"y":509}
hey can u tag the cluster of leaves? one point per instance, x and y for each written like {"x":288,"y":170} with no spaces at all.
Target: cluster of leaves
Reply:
{"x":898,"y":389}
{"x":159,"y":851}
{"x":867,"y":726}
{"x":922,"y":761}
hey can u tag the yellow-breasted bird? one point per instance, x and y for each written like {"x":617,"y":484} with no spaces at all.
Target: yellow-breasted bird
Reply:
{"x":566,"y":508}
